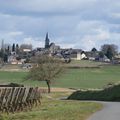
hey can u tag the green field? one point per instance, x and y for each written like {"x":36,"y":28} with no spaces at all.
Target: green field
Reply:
{"x":89,"y":77}
{"x":72,"y":77}
{"x":85,"y":63}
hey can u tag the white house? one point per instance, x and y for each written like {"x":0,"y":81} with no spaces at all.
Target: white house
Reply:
{"x":81,"y":56}
{"x":78,"y":56}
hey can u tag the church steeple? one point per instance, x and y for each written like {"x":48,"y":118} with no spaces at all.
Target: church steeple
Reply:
{"x":47,"y":41}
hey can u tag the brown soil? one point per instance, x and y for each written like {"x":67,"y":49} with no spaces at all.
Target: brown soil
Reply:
{"x":59,"y":89}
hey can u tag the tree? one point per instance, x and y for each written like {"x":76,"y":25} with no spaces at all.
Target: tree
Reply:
{"x":94,"y":50}
{"x":109,"y":53}
{"x":13,"y":47}
{"x":17,"y":48}
{"x":101,"y":54}
{"x":8,"y":48}
{"x":46,"y":69}
{"x":2,"y":53}
{"x":5,"y":58}
{"x":110,"y":50}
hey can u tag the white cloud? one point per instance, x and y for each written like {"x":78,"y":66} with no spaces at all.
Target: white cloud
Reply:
{"x":46,"y":5}
{"x":90,"y":41}
{"x":70,"y":23}
{"x":87,"y":43}
{"x":34,"y":41}
{"x":68,"y":46}
{"x":103,"y":35}
{"x":115,"y":15}
{"x":16,"y":33}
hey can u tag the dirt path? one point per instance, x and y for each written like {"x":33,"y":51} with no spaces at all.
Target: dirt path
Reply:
{"x":111,"y":111}
{"x":53,"y":89}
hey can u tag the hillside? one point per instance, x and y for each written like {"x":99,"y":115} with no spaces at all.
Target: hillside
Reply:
{"x":111,"y":93}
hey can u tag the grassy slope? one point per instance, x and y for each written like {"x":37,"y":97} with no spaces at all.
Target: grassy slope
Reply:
{"x":52,"y":109}
{"x":111,"y":93}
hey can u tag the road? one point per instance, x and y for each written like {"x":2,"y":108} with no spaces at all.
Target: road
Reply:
{"x":110,"y":111}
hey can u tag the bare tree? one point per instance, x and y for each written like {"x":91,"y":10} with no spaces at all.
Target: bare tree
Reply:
{"x":46,"y":69}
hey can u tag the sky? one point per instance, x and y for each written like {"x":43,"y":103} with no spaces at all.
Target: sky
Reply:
{"x":82,"y":24}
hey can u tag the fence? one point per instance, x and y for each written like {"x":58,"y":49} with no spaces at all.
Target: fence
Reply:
{"x":14,"y":99}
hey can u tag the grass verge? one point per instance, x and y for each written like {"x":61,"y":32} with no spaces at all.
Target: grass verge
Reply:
{"x":54,"y":109}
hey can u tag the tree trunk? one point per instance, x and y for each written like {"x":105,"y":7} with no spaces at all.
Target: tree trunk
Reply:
{"x":48,"y":84}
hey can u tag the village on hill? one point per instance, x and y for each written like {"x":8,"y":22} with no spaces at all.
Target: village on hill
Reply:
{"x":22,"y":54}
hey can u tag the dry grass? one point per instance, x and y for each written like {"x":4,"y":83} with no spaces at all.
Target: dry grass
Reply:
{"x":54,"y":109}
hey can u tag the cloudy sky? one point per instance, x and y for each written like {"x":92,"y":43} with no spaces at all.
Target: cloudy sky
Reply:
{"x":71,"y":23}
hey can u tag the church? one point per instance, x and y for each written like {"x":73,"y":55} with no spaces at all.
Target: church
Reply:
{"x":51,"y":46}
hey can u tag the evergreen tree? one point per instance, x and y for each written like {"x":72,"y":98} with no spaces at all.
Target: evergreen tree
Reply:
{"x":8,"y":48}
{"x":2,"y":54}
{"x":17,"y":48}
{"x":5,"y":58}
{"x":13,"y":48}
{"x":94,"y":50}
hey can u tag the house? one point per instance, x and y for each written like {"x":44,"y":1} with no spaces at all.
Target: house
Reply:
{"x":92,"y":55}
{"x":116,"y":59}
{"x":12,"y":60}
{"x":104,"y":59}
{"x":26,"y":50}
{"x":78,"y":54}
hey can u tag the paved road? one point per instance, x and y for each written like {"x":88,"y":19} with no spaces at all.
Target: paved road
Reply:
{"x":111,"y":111}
